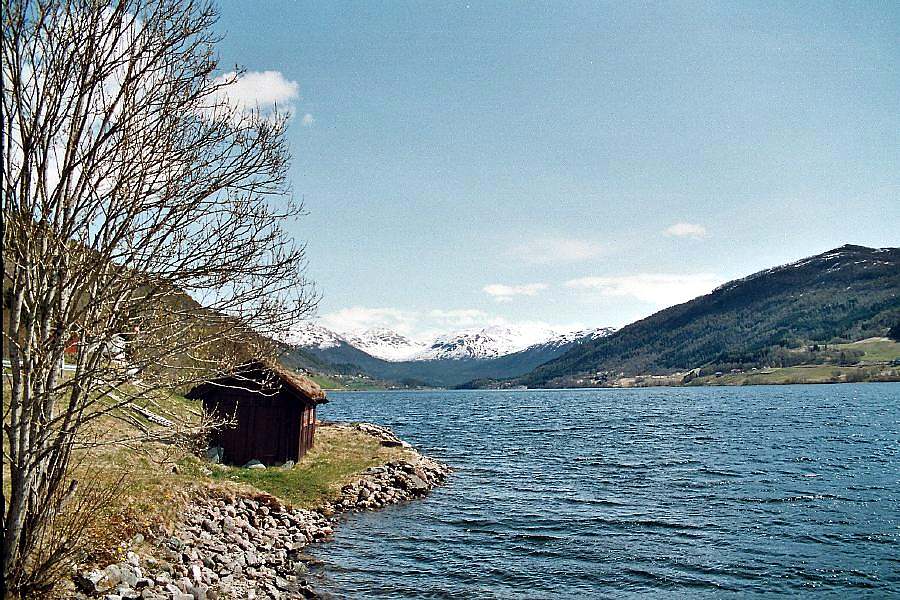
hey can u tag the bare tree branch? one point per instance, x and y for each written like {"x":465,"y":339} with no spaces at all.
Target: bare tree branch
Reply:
{"x":144,"y":229}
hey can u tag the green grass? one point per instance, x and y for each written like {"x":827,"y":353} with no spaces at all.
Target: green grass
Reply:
{"x":338,"y":454}
{"x":876,"y":349}
{"x":799,"y":374}
{"x":350,"y":383}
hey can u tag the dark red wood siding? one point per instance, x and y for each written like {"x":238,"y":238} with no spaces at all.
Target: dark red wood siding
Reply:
{"x":271,"y":428}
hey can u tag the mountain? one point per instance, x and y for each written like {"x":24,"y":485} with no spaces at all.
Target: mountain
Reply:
{"x":310,"y":335}
{"x":487,"y":343}
{"x":385,"y":344}
{"x":452,"y":359}
{"x":846,"y":294}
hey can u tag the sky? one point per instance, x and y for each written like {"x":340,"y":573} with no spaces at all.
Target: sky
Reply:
{"x":576,"y":164}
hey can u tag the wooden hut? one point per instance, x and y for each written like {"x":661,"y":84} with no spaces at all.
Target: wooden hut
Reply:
{"x":273,"y":412}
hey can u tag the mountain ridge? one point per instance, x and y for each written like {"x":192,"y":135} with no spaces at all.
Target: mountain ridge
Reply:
{"x":847,"y":293}
{"x":442,"y":364}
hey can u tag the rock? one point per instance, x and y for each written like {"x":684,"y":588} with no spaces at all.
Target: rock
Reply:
{"x":254,"y":464}
{"x":121,"y":573}
{"x":417,"y":485}
{"x":288,"y":465}
{"x":94,"y":582}
{"x":128,"y":593}
{"x":144,"y":582}
{"x":215,"y":454}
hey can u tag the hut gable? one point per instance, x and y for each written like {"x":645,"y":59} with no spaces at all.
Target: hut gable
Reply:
{"x":271,"y":412}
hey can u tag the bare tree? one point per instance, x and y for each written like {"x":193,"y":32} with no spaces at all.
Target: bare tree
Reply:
{"x":144,"y":236}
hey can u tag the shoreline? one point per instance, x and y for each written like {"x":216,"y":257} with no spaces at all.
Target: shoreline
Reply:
{"x":611,"y":387}
{"x":239,"y":544}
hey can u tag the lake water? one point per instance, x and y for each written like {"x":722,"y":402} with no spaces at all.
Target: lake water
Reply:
{"x":665,"y":492}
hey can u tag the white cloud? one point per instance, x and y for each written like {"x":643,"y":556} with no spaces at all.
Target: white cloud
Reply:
{"x":691,"y":230}
{"x":359,"y":318}
{"x":260,"y":89}
{"x":505,"y":293}
{"x":458,"y":317}
{"x":548,"y":250}
{"x":307,"y":120}
{"x":659,"y":289}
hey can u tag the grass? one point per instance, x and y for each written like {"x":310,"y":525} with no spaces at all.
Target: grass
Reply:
{"x":875,"y":349}
{"x":339,"y":453}
{"x":350,"y":383}
{"x":799,"y":374}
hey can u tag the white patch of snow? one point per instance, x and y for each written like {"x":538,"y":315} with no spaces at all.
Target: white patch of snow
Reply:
{"x":310,"y":335}
{"x":385,"y":344}
{"x":468,"y":344}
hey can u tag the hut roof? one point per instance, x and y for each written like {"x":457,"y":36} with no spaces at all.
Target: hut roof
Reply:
{"x":261,"y":374}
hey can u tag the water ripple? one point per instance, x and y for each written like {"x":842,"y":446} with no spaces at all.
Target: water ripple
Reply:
{"x":634,"y":493}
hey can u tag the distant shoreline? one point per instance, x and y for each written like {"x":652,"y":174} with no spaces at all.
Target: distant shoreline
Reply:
{"x":608,"y":387}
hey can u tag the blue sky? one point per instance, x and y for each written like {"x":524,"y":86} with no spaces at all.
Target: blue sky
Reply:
{"x":572,"y":164}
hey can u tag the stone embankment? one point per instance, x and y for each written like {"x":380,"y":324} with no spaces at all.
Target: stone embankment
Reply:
{"x":253,"y":547}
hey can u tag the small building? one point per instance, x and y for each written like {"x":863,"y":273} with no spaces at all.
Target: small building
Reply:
{"x":271,"y":409}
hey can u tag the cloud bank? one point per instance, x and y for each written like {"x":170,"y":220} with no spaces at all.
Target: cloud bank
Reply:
{"x":550,"y":250}
{"x":265,"y":90}
{"x":689,"y":230}
{"x":505,"y":293}
{"x":658,"y":289}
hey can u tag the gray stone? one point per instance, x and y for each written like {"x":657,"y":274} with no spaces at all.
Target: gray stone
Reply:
{"x":94,"y":582}
{"x":128,"y":593}
{"x":254,"y":464}
{"x":215,"y":454}
{"x":144,"y":582}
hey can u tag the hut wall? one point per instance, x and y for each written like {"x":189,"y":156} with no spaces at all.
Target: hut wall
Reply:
{"x":307,"y":428}
{"x":271,"y":429}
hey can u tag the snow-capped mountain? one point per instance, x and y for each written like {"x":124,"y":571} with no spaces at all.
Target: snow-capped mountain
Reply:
{"x":469,"y":344}
{"x":385,"y":344}
{"x":579,"y":336}
{"x":451,"y":359}
{"x":486,"y":343}
{"x":310,"y":335}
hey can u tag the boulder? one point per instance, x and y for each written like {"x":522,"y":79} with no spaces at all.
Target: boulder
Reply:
{"x":215,"y":454}
{"x":254,"y":464}
{"x":94,"y":582}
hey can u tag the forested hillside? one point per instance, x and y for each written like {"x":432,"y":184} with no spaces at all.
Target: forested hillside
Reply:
{"x":846,"y":294}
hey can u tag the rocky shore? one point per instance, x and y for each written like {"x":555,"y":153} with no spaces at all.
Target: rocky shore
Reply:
{"x":233,"y":546}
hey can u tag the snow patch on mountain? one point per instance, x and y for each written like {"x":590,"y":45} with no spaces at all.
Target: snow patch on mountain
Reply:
{"x":578,"y":336}
{"x":489,"y":342}
{"x":469,"y":344}
{"x":310,"y":335}
{"x":385,"y":344}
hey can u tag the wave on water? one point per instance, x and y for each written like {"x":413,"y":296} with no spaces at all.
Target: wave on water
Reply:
{"x":633,"y":494}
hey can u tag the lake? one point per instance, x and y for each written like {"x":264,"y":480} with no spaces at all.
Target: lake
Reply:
{"x":655,"y":492}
